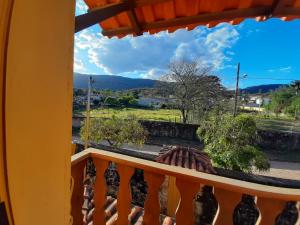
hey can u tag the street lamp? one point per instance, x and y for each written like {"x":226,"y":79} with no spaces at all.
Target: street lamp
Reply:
{"x":244,"y":76}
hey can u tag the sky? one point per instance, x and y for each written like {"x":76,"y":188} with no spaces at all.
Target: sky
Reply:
{"x":269,"y":52}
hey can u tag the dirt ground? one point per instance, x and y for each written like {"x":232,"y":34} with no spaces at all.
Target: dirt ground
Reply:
{"x":288,"y":170}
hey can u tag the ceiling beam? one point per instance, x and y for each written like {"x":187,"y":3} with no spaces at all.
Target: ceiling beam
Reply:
{"x":133,"y":18}
{"x":118,"y":31}
{"x":278,"y":5}
{"x":141,"y":3}
{"x":99,"y":14}
{"x":289,"y":11}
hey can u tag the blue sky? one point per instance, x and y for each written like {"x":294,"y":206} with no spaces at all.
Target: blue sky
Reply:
{"x":269,"y":52}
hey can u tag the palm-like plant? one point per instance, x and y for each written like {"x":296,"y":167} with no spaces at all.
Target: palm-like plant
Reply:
{"x":296,"y":84}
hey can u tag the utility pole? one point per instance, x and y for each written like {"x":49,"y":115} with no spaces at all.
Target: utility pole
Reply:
{"x":88,"y":107}
{"x":236,"y":90}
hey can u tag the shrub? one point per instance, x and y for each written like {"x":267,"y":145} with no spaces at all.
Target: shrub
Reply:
{"x":231,"y":143}
{"x":116,"y":131}
{"x":294,"y":107}
{"x":112,"y":101}
{"x":127,"y":100}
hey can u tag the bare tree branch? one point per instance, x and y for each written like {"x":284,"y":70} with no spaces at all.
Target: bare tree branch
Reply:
{"x":192,"y":86}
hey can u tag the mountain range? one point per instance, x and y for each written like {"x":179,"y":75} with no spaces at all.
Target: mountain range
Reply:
{"x":112,"y":82}
{"x":119,"y":83}
{"x":265,"y":88}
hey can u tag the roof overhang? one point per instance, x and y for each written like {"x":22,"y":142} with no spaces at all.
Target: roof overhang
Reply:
{"x":135,"y":17}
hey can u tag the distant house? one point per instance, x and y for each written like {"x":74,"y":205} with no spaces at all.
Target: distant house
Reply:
{"x":255,"y":102}
{"x":95,"y":97}
{"x":259,"y":99}
{"x":151,"y":102}
{"x":253,"y":107}
{"x":79,"y":100}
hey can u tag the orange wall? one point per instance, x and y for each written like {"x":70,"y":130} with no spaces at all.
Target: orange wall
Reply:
{"x":38,"y":110}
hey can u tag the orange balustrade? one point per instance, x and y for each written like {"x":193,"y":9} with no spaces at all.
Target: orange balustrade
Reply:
{"x":270,"y":200}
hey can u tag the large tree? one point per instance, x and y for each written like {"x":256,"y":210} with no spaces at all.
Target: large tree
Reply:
{"x":192,"y":87}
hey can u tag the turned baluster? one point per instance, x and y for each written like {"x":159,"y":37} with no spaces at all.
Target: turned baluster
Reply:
{"x":185,"y":213}
{"x":124,"y":194}
{"x":77,"y":171}
{"x":227,"y":201}
{"x":269,"y":209}
{"x":152,"y":207}
{"x":100,"y":190}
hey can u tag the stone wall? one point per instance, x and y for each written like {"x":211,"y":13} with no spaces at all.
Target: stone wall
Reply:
{"x":269,"y":140}
{"x":158,"y":128}
{"x":279,"y":140}
{"x":171,"y":130}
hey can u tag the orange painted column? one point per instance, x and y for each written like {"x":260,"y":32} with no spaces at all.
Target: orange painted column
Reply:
{"x":5,"y":16}
{"x":38,"y":110}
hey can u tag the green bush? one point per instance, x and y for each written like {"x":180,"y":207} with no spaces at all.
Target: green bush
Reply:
{"x":116,"y":131}
{"x":294,"y":107}
{"x":127,"y":100}
{"x":231,"y":142}
{"x":285,"y":100}
{"x":112,"y":101}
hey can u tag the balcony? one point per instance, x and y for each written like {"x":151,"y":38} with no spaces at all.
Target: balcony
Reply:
{"x":269,"y":200}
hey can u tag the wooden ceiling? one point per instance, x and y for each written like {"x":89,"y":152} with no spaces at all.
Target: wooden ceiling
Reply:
{"x":122,"y":17}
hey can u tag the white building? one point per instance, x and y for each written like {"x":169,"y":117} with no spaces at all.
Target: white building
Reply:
{"x":154,"y":102}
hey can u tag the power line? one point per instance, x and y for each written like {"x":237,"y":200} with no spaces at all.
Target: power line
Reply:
{"x":268,"y":78}
{"x":261,"y":78}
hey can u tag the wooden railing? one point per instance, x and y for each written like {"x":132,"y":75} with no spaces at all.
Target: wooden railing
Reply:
{"x":269,"y":200}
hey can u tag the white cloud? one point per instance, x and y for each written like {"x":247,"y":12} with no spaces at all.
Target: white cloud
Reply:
{"x":286,"y":69}
{"x":79,"y":66}
{"x":153,"y":74}
{"x":81,"y":7}
{"x":149,"y":55}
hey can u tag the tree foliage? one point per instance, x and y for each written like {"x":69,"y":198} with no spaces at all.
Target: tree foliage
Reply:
{"x":231,"y":142}
{"x":127,"y":100}
{"x":296,"y":85}
{"x":116,"y":131}
{"x":285,"y":100}
{"x":294,"y":107}
{"x":280,"y":100}
{"x":111,"y":101}
{"x":192,"y":87}
{"x":79,"y":92}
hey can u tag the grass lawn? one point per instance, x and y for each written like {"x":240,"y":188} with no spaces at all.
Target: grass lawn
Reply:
{"x":143,"y":114}
{"x":278,"y":125}
{"x":272,"y":123}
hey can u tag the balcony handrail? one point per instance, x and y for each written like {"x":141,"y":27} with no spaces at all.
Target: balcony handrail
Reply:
{"x":243,"y":187}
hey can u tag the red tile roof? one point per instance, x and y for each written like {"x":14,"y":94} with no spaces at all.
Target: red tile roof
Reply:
{"x":185,"y":157}
{"x":158,"y":15}
{"x":135,"y":216}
